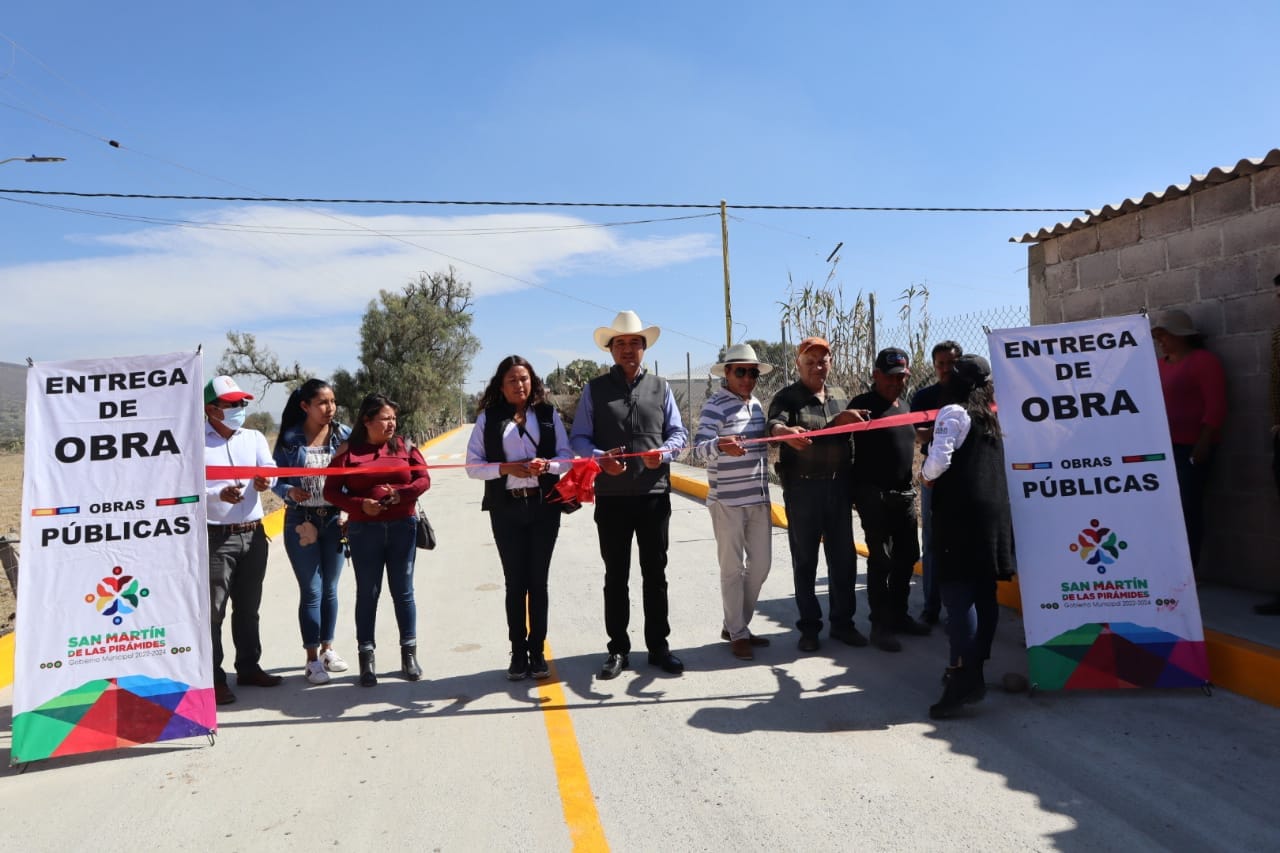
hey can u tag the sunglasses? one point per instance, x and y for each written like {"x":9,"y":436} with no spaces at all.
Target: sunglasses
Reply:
{"x":744,"y":372}
{"x":238,"y":404}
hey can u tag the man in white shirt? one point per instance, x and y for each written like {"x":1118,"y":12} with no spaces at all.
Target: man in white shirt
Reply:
{"x":237,"y":542}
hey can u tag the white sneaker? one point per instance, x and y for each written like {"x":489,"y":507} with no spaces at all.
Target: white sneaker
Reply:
{"x":332,"y":661}
{"x":316,"y":673}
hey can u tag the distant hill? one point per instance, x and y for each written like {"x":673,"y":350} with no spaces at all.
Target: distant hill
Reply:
{"x":13,"y":401}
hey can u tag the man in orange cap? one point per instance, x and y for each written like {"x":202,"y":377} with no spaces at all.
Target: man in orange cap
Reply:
{"x":815,"y":474}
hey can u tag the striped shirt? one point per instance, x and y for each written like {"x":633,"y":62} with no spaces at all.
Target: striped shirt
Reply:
{"x":734,"y":480}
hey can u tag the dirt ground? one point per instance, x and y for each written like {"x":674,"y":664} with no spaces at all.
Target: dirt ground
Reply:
{"x":10,"y":523}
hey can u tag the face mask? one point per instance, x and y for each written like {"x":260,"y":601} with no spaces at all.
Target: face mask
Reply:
{"x":234,"y":418}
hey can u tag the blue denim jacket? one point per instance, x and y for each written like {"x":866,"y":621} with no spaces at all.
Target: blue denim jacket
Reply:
{"x":291,"y":452}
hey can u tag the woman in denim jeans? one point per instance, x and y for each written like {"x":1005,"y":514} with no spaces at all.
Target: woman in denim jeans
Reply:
{"x":380,"y":502}
{"x":309,"y":438}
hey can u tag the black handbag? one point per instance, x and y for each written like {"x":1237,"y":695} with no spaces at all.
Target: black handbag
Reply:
{"x":425,"y":534}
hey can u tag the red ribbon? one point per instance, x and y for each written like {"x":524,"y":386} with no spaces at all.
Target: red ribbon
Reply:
{"x":577,"y":486}
{"x":584,"y":470}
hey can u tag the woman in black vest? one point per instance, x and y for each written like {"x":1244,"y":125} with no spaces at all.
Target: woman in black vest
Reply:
{"x":972,"y":531}
{"x":519,"y":448}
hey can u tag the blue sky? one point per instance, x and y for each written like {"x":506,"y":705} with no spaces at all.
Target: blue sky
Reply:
{"x":914,"y":104}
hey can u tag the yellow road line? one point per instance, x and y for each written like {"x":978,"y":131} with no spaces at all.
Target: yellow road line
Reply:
{"x":576,"y":799}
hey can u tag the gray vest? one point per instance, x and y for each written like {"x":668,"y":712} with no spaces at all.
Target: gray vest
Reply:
{"x":630,"y":417}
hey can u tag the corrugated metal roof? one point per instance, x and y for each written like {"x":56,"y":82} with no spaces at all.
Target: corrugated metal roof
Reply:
{"x":1216,"y":175}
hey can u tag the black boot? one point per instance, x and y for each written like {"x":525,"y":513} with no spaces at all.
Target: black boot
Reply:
{"x":368,"y":677}
{"x":965,"y":686}
{"x":409,"y":663}
{"x":978,"y":689}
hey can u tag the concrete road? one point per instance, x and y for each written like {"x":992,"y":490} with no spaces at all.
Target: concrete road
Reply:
{"x":832,"y":750}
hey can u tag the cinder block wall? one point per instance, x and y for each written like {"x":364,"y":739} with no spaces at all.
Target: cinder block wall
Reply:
{"x":1214,"y":254}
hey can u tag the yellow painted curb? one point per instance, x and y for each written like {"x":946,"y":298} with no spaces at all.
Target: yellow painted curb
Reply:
{"x":1236,"y":664}
{"x":1241,"y":666}
{"x":1244,"y":667}
{"x":6,"y":660}
{"x":441,"y":437}
{"x":777,"y":512}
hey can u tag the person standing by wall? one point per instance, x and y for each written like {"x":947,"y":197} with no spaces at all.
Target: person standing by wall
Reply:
{"x":738,"y":491}
{"x":518,"y":447}
{"x":308,"y":438}
{"x":815,"y":474}
{"x":932,"y":398}
{"x":629,"y":410}
{"x":1272,"y":607}
{"x":1195,"y":400}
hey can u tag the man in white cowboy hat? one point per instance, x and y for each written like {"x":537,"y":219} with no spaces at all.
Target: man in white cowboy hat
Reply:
{"x":738,"y":497}
{"x":631,"y":411}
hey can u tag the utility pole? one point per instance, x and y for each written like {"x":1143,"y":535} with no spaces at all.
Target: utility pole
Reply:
{"x":786,"y":362}
{"x":688,"y":384}
{"x":724,"y":248}
{"x":871,"y":299}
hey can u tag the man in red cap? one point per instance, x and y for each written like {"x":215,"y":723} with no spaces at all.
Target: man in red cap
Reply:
{"x":237,"y":542}
{"x":815,"y":474}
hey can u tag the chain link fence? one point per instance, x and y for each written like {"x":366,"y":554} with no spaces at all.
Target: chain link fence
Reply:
{"x":692,"y":387}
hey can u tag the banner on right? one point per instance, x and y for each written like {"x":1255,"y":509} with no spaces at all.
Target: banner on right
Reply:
{"x":1108,"y":594}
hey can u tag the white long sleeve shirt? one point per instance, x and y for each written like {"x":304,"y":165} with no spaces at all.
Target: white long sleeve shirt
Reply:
{"x":244,"y":447}
{"x":516,"y":447}
{"x":950,"y":429}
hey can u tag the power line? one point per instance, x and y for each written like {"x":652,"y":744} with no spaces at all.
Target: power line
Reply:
{"x":625,"y":204}
{"x":314,"y":231}
{"x":113,"y":143}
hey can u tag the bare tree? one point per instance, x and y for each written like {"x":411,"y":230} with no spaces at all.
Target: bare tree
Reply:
{"x":245,"y":357}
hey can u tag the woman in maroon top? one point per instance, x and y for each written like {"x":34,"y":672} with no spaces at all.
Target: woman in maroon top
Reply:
{"x":1195,"y":401}
{"x":381,"y":526}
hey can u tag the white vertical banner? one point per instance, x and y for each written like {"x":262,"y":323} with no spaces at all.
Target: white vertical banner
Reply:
{"x":1108,"y":594}
{"x":113,"y":645}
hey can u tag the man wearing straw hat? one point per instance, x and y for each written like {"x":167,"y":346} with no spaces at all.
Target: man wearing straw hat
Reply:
{"x":738,"y":495}
{"x":631,"y":413}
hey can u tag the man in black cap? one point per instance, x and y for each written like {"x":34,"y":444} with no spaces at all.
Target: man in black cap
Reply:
{"x":885,"y":499}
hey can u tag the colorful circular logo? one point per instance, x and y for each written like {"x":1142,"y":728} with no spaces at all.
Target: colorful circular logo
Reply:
{"x":1098,"y":546}
{"x":118,"y":595}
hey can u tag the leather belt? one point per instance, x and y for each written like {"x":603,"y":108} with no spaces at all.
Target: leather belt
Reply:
{"x":525,"y":493}
{"x":239,"y":527}
{"x":830,"y":475}
{"x":317,"y":511}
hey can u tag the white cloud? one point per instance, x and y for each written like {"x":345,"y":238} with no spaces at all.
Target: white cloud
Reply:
{"x":307,"y":276}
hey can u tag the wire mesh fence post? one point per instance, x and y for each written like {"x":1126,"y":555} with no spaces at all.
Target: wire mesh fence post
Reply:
{"x":9,"y":556}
